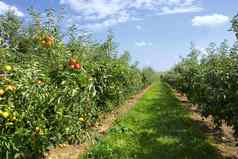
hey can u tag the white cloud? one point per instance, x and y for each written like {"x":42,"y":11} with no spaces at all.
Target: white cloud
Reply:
{"x":183,"y":9}
{"x":138,"y":27}
{"x":143,"y":44}
{"x":111,"y":12}
{"x":106,"y":23}
{"x":210,"y":20}
{"x":5,"y":7}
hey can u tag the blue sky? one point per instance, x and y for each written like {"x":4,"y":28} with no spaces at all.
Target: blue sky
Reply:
{"x":155,"y":32}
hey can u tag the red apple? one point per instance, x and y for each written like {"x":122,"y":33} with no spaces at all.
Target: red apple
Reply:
{"x":77,"y":66}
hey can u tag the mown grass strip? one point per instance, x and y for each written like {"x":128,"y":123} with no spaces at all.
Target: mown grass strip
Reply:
{"x":157,"y":127}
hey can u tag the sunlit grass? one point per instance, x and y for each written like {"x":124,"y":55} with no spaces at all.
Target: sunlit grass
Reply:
{"x":157,"y":127}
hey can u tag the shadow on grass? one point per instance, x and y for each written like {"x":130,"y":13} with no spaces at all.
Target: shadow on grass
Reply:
{"x":157,"y":128}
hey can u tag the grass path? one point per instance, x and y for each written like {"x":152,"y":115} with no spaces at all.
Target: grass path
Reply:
{"x":158,"y":127}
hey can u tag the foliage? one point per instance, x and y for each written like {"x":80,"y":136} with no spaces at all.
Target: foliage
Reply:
{"x":148,"y":75}
{"x":210,"y":81}
{"x":51,"y":91}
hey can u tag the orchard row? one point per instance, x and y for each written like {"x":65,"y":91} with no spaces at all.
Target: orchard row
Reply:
{"x":210,"y":80}
{"x":54,"y":84}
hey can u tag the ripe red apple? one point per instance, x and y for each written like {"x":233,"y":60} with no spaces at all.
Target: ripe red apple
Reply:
{"x":77,"y":66}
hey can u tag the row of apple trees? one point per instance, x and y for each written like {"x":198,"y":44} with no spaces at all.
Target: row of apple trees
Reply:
{"x":54,"y":84}
{"x":210,"y":80}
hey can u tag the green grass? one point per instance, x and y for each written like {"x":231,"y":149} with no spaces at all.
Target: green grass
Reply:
{"x":158,"y":127}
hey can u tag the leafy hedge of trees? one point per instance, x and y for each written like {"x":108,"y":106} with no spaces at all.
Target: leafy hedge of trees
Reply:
{"x":210,"y":80}
{"x":52,"y":91}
